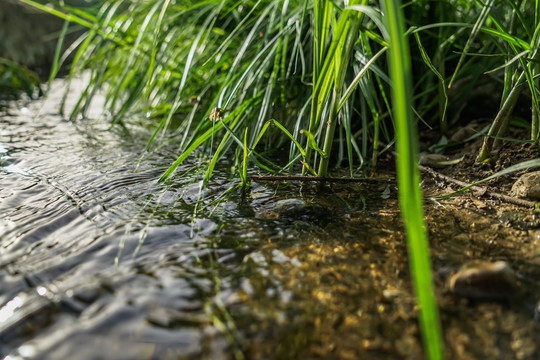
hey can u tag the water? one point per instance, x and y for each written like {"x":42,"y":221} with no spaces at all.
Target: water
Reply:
{"x":91,"y":246}
{"x":100,"y":261}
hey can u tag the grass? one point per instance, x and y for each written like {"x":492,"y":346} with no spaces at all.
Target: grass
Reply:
{"x":410,"y":195}
{"x":16,"y":79}
{"x":303,"y":87}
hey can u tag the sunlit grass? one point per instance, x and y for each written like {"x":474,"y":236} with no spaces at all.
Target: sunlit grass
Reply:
{"x":410,"y":195}
{"x":311,"y":65}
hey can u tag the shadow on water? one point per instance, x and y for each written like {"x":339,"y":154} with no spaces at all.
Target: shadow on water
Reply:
{"x":98,"y":260}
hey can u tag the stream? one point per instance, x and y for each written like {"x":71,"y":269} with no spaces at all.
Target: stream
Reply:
{"x":99,"y":260}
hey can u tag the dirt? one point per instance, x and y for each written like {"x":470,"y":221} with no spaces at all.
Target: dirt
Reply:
{"x":508,"y":154}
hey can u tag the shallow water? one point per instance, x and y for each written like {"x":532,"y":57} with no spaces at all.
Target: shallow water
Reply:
{"x":98,"y":260}
{"x":91,"y":246}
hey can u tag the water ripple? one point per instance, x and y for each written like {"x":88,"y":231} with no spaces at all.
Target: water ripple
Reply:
{"x":82,"y":222}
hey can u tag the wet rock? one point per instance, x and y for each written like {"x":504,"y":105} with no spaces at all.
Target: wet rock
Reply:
{"x":275,"y":208}
{"x":287,"y":204}
{"x":309,"y":213}
{"x":482,"y":280}
{"x":438,"y":161}
{"x":528,"y":186}
{"x":292,"y":210}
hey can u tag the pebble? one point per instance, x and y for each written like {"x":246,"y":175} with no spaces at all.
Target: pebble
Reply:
{"x":438,"y":161}
{"x":482,"y":280}
{"x":528,"y":186}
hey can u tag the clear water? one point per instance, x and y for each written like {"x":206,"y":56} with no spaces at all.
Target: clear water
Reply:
{"x":100,"y":261}
{"x":91,"y":247}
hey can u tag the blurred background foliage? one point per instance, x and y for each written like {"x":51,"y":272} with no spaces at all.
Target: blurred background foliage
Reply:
{"x":28,"y":41}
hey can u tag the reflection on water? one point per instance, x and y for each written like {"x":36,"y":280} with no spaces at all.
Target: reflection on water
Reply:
{"x":92,"y":248}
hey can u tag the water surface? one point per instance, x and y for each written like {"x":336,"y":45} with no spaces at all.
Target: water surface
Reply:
{"x":98,"y":260}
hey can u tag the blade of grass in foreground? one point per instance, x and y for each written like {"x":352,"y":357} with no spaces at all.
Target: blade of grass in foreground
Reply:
{"x":409,"y":180}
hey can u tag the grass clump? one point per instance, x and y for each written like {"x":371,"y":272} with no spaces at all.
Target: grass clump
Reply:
{"x":314,"y":67}
{"x":178,"y":63}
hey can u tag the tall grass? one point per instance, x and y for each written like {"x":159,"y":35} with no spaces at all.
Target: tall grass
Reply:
{"x":313,"y":66}
{"x":255,"y":80}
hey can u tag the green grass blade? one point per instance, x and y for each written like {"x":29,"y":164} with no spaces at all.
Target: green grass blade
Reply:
{"x":57,"y":61}
{"x":289,"y":135}
{"x":243,"y":173}
{"x":208,"y":134}
{"x":409,"y":180}
{"x":57,"y":13}
{"x":357,"y":79}
{"x":484,"y":14}
{"x":499,"y":34}
{"x":313,"y":143}
{"x":429,"y":64}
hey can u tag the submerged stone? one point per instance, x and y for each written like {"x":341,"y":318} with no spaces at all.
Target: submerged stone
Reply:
{"x":528,"y":186}
{"x":537,"y":311}
{"x":482,"y":280}
{"x":292,"y":210}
